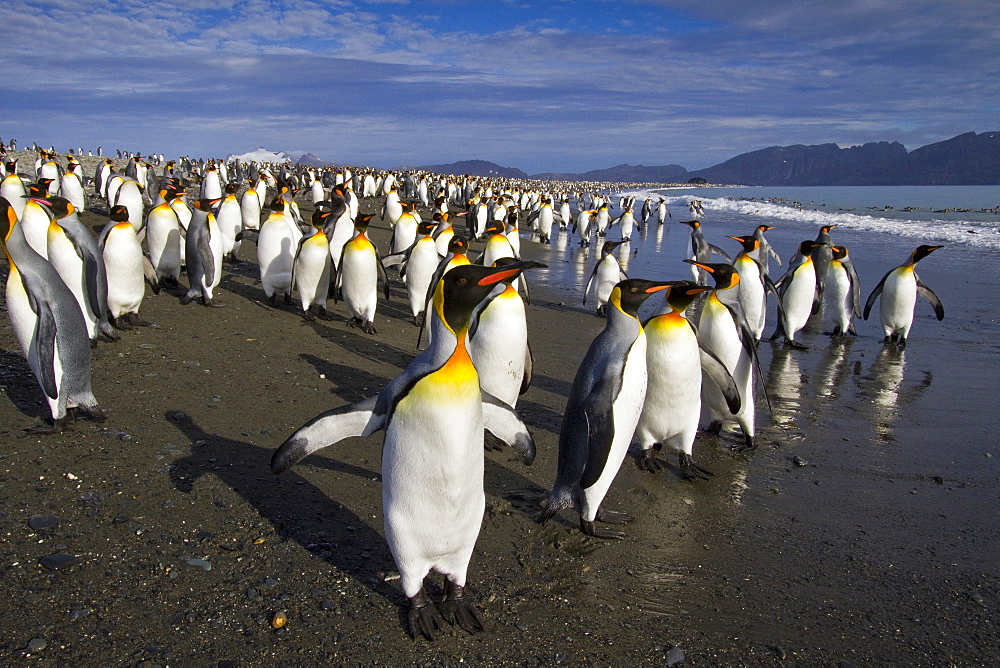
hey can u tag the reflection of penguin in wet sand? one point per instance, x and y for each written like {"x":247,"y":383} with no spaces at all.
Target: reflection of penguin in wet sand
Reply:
{"x":435,"y":416}
{"x":603,"y":409}
{"x":899,"y":289}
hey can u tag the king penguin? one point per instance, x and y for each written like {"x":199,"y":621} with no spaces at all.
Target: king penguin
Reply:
{"x":203,"y":253}
{"x":601,"y":415}
{"x":49,"y":326}
{"x":435,"y":417}
{"x":311,"y":268}
{"x":799,"y":294}
{"x":724,"y":332}
{"x":74,"y":253}
{"x":358,"y":275}
{"x":123,"y":261}
{"x":845,"y":292}
{"x":607,"y":273}
{"x":674,"y":365}
{"x":899,"y":289}
{"x":701,"y":251}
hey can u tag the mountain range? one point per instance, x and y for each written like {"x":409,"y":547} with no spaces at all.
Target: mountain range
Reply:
{"x":968,"y":159}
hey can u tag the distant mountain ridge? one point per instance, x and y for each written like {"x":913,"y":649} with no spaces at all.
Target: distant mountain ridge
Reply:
{"x":967,"y":159}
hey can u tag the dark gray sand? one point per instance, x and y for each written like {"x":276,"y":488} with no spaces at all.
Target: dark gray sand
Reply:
{"x":161,"y":537}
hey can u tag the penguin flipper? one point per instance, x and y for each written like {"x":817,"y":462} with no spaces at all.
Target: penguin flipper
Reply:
{"x":929,"y":295}
{"x":502,"y":423}
{"x":590,"y":281}
{"x":205,"y":254}
{"x":149,"y":273}
{"x":713,"y":367}
{"x":600,"y":424}
{"x":382,"y":276}
{"x":769,"y":286}
{"x":358,"y":419}
{"x":875,"y":293}
{"x":852,"y":274}
{"x":45,"y":341}
{"x":718,"y":251}
{"x":774,"y":254}
{"x":529,"y":362}
{"x":252,"y":235}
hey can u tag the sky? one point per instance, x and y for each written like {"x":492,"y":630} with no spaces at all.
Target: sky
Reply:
{"x":542,"y":86}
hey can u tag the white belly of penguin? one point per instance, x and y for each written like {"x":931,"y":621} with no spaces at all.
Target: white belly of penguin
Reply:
{"x":123,"y":260}
{"x":626,"y":408}
{"x":432,"y":480}
{"x":673,"y":389}
{"x":359,"y":283}
{"x":899,"y":297}
{"x":62,"y":256}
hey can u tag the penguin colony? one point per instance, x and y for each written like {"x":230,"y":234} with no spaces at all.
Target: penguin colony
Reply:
{"x":644,"y":381}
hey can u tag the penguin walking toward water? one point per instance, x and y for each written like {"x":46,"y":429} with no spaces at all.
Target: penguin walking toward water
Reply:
{"x":724,"y":332}
{"x":899,"y":289}
{"x":822,"y":255}
{"x":49,"y":327}
{"x":799,"y":295}
{"x":674,"y":365}
{"x":203,"y":254}
{"x":357,"y":278}
{"x":845,"y":292}
{"x":701,"y":251}
{"x":601,"y":415}
{"x":766,"y":250}
{"x":435,"y":417}
{"x":607,"y":273}
{"x":123,"y":261}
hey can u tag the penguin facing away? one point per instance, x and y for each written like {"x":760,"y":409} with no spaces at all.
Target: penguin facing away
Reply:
{"x":601,"y":415}
{"x":203,"y":254}
{"x":899,"y":289}
{"x":435,"y":417}
{"x":49,"y":326}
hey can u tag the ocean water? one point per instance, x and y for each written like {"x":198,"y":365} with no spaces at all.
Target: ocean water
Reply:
{"x":880,"y":225}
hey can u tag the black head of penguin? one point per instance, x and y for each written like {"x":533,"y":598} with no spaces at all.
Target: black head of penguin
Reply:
{"x":40,"y":188}
{"x":921,"y":252}
{"x":809,"y":246}
{"x":839,"y":252}
{"x":725,"y":275}
{"x":361,"y":223}
{"x":691,"y":223}
{"x":58,"y":207}
{"x":495,"y":227}
{"x":319,"y":218}
{"x":458,"y":245}
{"x":465,"y":286}
{"x":610,"y":246}
{"x":629,"y":295}
{"x":749,"y":243}
{"x":680,"y":295}
{"x":205,"y":204}
{"x":425,"y":227}
{"x":118,"y":213}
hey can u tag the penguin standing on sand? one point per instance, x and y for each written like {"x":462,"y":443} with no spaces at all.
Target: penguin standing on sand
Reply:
{"x":49,"y":327}
{"x":230,"y":222}
{"x":203,"y":253}
{"x":607,"y":273}
{"x":799,"y":294}
{"x":674,"y":365}
{"x":163,"y":239}
{"x":899,"y":289}
{"x":754,"y":285}
{"x":123,"y":261}
{"x":435,"y":417}
{"x":419,"y":263}
{"x":845,"y":292}
{"x":724,"y":332}
{"x":311,"y":268}
{"x":357,"y":278}
{"x":601,"y":414}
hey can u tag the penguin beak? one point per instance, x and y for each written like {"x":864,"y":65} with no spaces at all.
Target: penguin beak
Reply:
{"x":509,"y":272}
{"x":656,"y":288}
{"x":706,"y":267}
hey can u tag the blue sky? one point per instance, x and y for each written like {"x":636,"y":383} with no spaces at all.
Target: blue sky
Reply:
{"x":543,"y":86}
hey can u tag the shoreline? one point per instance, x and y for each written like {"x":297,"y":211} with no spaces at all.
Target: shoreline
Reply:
{"x":767,"y":561}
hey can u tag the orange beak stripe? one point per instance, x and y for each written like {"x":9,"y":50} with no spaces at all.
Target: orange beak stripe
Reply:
{"x":493,"y":279}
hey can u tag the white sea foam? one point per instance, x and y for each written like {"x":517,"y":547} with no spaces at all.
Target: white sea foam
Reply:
{"x":979,"y":233}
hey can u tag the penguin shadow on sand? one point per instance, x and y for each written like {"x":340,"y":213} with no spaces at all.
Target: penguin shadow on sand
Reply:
{"x":370,"y":347}
{"x":502,"y":481}
{"x":21,"y":387}
{"x":297,"y":509}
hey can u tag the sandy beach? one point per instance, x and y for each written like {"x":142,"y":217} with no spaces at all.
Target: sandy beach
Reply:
{"x":863,"y":530}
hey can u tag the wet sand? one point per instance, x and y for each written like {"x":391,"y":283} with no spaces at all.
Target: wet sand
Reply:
{"x":876,"y":545}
